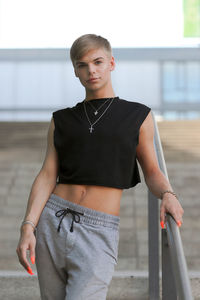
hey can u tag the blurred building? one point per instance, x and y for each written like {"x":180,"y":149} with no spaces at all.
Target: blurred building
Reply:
{"x":35,"y":82}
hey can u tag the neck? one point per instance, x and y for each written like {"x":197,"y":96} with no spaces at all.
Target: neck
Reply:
{"x":108,"y":93}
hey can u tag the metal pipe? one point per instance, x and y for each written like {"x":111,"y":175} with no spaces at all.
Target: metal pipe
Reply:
{"x":179,"y":266}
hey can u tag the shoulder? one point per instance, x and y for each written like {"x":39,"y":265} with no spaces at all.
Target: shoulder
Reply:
{"x":60,"y":111}
{"x":135,"y":104}
{"x":140,"y":110}
{"x":59,"y":116}
{"x":65,"y":110}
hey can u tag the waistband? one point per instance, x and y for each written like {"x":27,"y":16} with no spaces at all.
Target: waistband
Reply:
{"x":89,"y":216}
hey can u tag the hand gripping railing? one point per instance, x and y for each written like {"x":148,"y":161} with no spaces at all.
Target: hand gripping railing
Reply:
{"x":175,"y":279}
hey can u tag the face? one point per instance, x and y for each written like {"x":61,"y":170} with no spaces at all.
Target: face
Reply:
{"x":93,"y":69}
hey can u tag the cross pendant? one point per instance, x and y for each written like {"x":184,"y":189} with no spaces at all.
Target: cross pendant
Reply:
{"x":91,"y":128}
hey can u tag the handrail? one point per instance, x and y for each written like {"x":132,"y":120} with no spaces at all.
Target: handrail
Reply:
{"x":177,"y":257}
{"x":180,"y":271}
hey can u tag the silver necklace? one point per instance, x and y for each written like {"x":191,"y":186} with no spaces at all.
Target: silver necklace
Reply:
{"x":96,"y":110}
{"x":91,"y":125}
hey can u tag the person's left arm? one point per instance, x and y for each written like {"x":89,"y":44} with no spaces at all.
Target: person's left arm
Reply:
{"x":154,"y":178}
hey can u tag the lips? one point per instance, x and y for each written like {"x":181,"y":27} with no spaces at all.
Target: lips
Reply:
{"x":92,"y":79}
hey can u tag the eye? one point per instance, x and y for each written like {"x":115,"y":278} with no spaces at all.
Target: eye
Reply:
{"x":98,"y":62}
{"x":81,"y":66}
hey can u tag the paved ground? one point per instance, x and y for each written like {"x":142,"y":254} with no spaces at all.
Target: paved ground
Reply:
{"x":19,"y":165}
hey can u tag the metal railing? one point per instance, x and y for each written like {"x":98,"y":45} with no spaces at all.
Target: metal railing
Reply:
{"x":175,"y":279}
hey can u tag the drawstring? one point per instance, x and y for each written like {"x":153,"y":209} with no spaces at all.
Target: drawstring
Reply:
{"x":63,"y":212}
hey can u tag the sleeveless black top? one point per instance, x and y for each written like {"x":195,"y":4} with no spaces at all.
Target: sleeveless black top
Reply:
{"x":105,"y":157}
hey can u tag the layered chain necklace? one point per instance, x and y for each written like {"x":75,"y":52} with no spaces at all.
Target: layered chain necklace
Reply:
{"x":91,"y":128}
{"x":96,"y":111}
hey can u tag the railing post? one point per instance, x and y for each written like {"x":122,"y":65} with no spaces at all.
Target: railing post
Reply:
{"x":153,"y":242}
{"x":168,"y":282}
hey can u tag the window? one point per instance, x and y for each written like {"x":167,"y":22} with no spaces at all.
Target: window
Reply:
{"x":181,"y":82}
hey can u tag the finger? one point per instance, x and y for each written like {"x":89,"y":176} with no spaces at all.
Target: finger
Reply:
{"x":32,"y":259}
{"x":29,"y":270}
{"x":162,"y":224}
{"x":179,"y":223}
{"x":178,"y":219}
{"x":162,"y":217}
{"x":23,"y":260}
{"x":162,"y":214}
{"x":32,"y":254}
{"x":178,"y":215}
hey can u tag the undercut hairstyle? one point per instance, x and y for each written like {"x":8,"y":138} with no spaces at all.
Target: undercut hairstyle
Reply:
{"x":88,"y":42}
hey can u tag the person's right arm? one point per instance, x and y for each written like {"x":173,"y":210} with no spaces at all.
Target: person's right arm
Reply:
{"x":42,"y":187}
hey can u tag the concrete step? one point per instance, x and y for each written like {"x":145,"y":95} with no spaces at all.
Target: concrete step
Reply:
{"x":133,"y":247}
{"x":176,"y":136}
{"x":23,"y":134}
{"x":180,"y":140}
{"x":126,"y":285}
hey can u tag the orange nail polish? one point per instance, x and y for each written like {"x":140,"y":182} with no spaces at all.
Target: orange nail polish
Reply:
{"x":33,"y":259}
{"x":179,"y":223}
{"x":162,"y":224}
{"x":30,"y":271}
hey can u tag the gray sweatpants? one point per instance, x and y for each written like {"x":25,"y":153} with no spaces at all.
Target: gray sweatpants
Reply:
{"x":76,"y":251}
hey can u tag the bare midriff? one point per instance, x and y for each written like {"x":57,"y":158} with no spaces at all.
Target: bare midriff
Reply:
{"x":100,"y":198}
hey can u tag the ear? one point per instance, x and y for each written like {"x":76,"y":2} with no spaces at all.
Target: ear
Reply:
{"x":112,"y":63}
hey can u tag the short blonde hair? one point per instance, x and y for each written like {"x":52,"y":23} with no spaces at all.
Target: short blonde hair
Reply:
{"x":87,"y":42}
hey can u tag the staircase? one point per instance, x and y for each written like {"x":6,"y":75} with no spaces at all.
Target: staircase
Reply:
{"x":180,"y":140}
{"x":22,"y":150}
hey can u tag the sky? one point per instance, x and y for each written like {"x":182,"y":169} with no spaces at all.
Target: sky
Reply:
{"x":57,"y":23}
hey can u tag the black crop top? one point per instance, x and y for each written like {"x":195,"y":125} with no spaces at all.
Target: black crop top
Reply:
{"x":105,"y":157}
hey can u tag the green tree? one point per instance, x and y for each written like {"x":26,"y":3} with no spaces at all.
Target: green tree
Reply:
{"x":191,"y":18}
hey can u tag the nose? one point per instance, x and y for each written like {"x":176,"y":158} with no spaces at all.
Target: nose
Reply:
{"x":91,"y":69}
